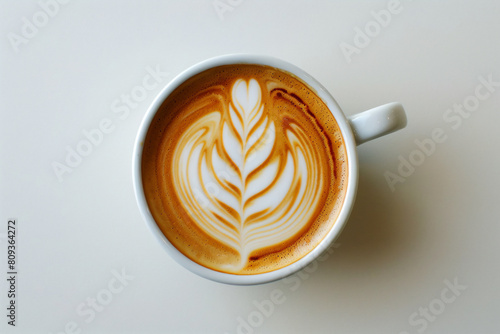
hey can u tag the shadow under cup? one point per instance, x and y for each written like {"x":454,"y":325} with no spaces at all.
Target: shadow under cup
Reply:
{"x":245,"y":169}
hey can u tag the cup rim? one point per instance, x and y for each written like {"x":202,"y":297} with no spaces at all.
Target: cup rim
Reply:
{"x":352,"y":164}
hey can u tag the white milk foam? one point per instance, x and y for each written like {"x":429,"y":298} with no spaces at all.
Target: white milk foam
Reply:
{"x":232,"y":185}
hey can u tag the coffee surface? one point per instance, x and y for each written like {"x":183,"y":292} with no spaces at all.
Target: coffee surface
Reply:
{"x":244,"y":169}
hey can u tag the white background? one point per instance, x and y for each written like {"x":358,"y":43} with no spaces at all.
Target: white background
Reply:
{"x":399,"y":247}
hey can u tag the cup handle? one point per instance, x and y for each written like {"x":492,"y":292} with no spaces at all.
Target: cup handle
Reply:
{"x":377,"y":122}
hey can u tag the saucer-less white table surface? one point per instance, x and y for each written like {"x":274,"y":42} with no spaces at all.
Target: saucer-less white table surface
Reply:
{"x":420,"y":253}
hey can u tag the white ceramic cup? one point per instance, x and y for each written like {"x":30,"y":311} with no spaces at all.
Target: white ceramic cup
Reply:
{"x":356,"y":130}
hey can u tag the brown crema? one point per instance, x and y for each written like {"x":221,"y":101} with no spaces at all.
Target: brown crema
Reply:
{"x":244,"y":169}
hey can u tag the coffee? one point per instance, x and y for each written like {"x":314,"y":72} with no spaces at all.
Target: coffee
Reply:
{"x":244,"y":169}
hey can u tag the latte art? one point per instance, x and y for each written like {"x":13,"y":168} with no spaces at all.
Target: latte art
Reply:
{"x":239,"y":184}
{"x":244,"y":169}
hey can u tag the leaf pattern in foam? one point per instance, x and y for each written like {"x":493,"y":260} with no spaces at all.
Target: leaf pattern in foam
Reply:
{"x":231,"y":187}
